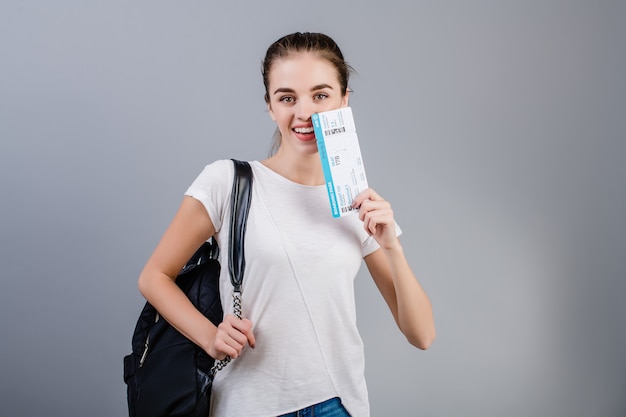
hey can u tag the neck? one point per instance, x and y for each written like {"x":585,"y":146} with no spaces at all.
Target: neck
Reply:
{"x":302,"y":169}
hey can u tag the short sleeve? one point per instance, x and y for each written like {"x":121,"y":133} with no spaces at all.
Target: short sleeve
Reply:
{"x":370,"y":245}
{"x":212,"y":187}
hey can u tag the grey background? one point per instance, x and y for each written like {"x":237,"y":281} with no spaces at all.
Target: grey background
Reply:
{"x":496,"y":129}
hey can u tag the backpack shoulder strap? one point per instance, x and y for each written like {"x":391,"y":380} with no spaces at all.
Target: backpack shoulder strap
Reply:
{"x":240,"y":206}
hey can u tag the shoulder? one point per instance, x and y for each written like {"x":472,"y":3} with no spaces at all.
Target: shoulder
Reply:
{"x":217,"y":172}
{"x":219,"y":168}
{"x":213,"y":180}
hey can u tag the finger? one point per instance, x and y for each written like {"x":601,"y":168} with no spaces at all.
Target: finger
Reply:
{"x":251,"y":340}
{"x":229,"y":341}
{"x":223,"y":349}
{"x":370,"y":206}
{"x":244,"y":327}
{"x":373,"y":223}
{"x":373,"y":195}
{"x":367,"y":194}
{"x":372,"y":219}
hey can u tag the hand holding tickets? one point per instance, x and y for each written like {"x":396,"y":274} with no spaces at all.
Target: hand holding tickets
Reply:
{"x":340,"y":153}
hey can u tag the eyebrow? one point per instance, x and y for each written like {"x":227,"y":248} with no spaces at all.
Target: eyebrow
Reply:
{"x":291,"y":90}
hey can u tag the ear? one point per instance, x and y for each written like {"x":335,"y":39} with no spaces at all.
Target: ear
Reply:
{"x":269,"y":110}
{"x":345,"y":99}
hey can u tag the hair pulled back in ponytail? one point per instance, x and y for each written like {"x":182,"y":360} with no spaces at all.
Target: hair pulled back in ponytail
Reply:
{"x":318,"y":43}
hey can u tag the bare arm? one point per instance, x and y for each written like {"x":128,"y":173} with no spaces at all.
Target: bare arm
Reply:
{"x":408,"y":302}
{"x":190,"y":227}
{"x":405,"y":297}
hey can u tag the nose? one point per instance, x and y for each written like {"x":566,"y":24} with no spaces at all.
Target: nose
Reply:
{"x":304,"y":111}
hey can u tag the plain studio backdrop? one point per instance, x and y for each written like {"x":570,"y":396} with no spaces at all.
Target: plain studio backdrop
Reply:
{"x":495,"y":128}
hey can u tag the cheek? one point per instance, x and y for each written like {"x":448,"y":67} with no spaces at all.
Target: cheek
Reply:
{"x":280,"y":116}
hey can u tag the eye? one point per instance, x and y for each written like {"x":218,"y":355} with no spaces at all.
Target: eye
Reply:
{"x":320,"y":96}
{"x":287,"y":99}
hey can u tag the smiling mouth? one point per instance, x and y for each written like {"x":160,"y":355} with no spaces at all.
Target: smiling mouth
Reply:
{"x":303,"y":130}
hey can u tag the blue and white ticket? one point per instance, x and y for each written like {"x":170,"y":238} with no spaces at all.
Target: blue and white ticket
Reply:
{"x":338,"y":146}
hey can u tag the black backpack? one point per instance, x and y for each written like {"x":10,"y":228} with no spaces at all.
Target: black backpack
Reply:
{"x":166,"y":373}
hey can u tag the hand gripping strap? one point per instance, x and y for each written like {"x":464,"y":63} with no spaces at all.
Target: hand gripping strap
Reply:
{"x":240,"y":206}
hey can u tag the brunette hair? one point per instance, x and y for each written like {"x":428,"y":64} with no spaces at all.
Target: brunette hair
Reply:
{"x":318,"y":43}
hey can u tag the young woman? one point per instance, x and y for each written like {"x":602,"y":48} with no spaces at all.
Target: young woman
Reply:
{"x":297,"y":346}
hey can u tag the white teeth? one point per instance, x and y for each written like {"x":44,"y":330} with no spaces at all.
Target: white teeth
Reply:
{"x":303,"y":130}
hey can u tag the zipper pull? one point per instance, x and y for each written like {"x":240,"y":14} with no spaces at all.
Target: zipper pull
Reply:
{"x":143,"y":356}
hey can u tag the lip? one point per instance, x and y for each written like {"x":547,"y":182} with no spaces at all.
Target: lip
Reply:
{"x":305,"y":137}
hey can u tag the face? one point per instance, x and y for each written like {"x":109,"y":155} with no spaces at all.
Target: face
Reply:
{"x":299,"y":86}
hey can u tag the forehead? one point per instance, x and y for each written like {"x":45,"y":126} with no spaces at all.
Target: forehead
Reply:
{"x":302,"y":70}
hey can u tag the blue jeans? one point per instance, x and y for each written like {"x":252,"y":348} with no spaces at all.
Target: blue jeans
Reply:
{"x":328,"y":408}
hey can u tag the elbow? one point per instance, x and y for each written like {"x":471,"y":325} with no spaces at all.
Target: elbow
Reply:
{"x":143,"y":285}
{"x":422,"y":341}
{"x":151,"y":283}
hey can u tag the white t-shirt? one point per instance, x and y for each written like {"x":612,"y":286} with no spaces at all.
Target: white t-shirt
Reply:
{"x":297,"y":291}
